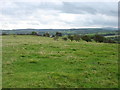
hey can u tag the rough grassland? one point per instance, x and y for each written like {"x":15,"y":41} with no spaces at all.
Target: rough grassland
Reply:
{"x":33,"y":61}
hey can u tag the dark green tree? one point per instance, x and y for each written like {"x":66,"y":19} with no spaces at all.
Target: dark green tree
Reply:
{"x":46,"y":34}
{"x":86,"y":38}
{"x":108,"y":40}
{"x":99,"y":38}
{"x":34,"y":33}
{"x":65,"y":38}
{"x":70,"y":37}
{"x":76,"y":37}
{"x":58,"y":34}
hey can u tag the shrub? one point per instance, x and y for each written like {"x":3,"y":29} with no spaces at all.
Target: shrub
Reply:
{"x":86,"y":38}
{"x":46,"y":35}
{"x":56,"y":38}
{"x":58,"y":34}
{"x":39,"y":35}
{"x":76,"y":37}
{"x":65,"y":39}
{"x":115,"y":39}
{"x":70,"y":37}
{"x":106,"y":40}
{"x":52,"y":36}
{"x":4,"y":33}
{"x":99,"y":38}
{"x":34,"y":33}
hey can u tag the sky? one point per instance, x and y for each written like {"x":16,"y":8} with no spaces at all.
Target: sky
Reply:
{"x":58,"y":14}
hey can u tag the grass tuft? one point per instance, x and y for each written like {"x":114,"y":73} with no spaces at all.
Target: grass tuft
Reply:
{"x":33,"y":61}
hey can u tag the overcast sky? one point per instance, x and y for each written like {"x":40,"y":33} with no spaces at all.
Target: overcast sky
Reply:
{"x":57,"y":14}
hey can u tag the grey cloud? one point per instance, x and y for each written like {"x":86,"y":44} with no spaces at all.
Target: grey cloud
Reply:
{"x":108,"y":8}
{"x":95,"y":22}
{"x":24,"y":10}
{"x":27,"y":8}
{"x":77,"y":8}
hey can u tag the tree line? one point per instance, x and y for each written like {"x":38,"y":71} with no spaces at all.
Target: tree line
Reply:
{"x":75,"y":37}
{"x":87,"y":38}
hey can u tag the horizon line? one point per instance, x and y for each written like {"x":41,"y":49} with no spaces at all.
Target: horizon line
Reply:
{"x":58,"y":28}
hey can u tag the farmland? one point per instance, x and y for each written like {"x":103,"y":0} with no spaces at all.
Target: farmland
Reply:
{"x":41,"y":62}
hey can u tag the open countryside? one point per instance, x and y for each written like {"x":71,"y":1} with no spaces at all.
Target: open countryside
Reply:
{"x":36,"y":61}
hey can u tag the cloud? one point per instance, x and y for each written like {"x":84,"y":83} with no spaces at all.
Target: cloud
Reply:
{"x":109,"y":8}
{"x":58,"y":14}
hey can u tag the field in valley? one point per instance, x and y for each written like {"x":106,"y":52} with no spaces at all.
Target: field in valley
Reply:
{"x":41,"y":62}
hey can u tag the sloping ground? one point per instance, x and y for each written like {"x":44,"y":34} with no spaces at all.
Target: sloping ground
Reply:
{"x":33,"y":61}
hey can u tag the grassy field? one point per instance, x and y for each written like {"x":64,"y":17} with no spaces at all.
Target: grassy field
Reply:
{"x":34,"y":61}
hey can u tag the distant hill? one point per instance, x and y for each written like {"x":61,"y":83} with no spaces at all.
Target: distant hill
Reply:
{"x":64,"y":31}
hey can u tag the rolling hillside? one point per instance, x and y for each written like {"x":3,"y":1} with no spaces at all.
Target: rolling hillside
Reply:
{"x":41,"y":62}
